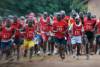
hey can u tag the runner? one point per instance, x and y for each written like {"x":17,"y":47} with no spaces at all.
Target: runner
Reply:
{"x":22,"y":20}
{"x":6,"y":41}
{"x":89,"y":25}
{"x":17,"y":35}
{"x":60,"y":28}
{"x":51,"y":40}
{"x":44,"y":29}
{"x":69,"y":21}
{"x":38,"y":42}
{"x":77,"y":36}
{"x":28,"y":36}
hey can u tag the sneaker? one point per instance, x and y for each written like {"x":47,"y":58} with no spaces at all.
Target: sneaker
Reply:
{"x":55,"y":53}
{"x":39,"y":52}
{"x":74,"y":56}
{"x":87,"y":57}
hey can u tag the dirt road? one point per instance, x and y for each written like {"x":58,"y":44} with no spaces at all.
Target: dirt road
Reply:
{"x":55,"y":61}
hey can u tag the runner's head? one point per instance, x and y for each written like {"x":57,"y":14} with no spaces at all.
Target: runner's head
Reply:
{"x":77,"y":20}
{"x":8,"y":23}
{"x":81,"y":15}
{"x":22,"y":18}
{"x":15,"y":19}
{"x":30,"y":23}
{"x":74,"y":16}
{"x":63,"y":14}
{"x":59,"y":16}
{"x":45,"y":15}
{"x":89,"y":15}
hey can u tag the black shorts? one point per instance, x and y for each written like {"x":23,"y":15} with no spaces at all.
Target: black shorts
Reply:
{"x":90,"y":35}
{"x":60,"y":41}
{"x":98,"y":39}
{"x":18,"y":41}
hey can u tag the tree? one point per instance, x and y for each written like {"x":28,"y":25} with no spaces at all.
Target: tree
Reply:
{"x":21,"y":7}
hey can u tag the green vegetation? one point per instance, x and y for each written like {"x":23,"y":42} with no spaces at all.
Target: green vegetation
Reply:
{"x":21,"y":7}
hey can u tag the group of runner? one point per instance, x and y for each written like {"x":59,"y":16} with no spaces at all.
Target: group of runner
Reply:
{"x":46,"y":34}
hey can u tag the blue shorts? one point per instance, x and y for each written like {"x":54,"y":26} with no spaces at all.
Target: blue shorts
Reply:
{"x":76,"y":39}
{"x":38,"y":39}
{"x":6,"y":44}
{"x":17,"y":41}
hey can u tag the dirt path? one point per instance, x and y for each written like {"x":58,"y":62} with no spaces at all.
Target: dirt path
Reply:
{"x":55,"y":61}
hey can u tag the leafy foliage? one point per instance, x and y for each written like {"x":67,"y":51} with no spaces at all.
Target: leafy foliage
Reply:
{"x":22,"y":7}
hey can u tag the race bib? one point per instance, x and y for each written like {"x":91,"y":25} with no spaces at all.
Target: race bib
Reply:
{"x":30,"y":34}
{"x":6,"y":35}
{"x":77,"y":32}
{"x":59,"y":29}
{"x":88,"y":27}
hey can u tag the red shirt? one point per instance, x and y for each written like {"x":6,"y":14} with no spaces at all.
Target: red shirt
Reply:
{"x":16,"y":27}
{"x":29,"y":33}
{"x":54,"y":19}
{"x":66,"y":18}
{"x":42,"y":20}
{"x":7,"y":33}
{"x":37,"y":26}
{"x":44,"y":24}
{"x":67,"y":21}
{"x":77,"y":30}
{"x":89,"y":24}
{"x":45,"y":27}
{"x":60,"y":28}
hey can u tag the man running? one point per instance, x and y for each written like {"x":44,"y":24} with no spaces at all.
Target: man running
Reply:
{"x":17,"y":35}
{"x":77,"y":36}
{"x":89,"y":25}
{"x":59,"y":29}
{"x":44,"y":29}
{"x":29,"y":32}
{"x":6,"y":41}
